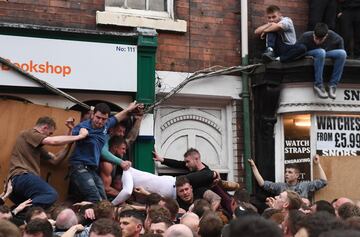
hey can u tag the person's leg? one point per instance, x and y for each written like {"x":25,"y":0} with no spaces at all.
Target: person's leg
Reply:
{"x":356,"y":15}
{"x":83,"y":183}
{"x":319,"y":61}
{"x":32,"y":186}
{"x":346,"y":30}
{"x":316,"y":12}
{"x":330,"y":14}
{"x":99,"y":184}
{"x":271,"y":44}
{"x":271,"y":40}
{"x":339,"y":57}
{"x":292,"y":52}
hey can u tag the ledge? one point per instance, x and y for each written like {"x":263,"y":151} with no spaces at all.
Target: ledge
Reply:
{"x":123,"y":19}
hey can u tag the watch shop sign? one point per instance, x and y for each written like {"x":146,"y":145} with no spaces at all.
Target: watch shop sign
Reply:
{"x":69,"y":64}
{"x":338,"y":135}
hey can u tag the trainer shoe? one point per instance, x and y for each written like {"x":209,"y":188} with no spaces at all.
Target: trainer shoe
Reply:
{"x":332,"y":92}
{"x":268,"y":55}
{"x":321,"y":92}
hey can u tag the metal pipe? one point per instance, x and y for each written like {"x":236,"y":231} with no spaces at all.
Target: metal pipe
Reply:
{"x":246,"y":95}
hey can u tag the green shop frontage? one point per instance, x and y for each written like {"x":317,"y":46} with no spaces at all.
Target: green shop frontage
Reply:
{"x":60,"y":71}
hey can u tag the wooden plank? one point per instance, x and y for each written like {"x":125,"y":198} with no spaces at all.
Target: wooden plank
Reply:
{"x":17,"y":116}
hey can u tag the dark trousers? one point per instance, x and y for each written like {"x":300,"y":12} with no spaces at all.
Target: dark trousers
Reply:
{"x":322,"y":11}
{"x":31,"y":186}
{"x":286,"y":52}
{"x":350,"y":31}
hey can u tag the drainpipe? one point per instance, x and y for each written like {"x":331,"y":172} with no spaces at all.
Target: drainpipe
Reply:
{"x":246,"y":95}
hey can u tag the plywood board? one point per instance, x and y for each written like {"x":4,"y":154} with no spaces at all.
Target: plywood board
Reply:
{"x":16,"y":116}
{"x":343,"y":173}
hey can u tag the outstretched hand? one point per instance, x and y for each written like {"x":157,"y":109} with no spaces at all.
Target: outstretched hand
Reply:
{"x":156,"y":157}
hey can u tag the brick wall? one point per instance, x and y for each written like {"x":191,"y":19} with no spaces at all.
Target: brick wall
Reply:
{"x":212,"y":38}
{"x":297,"y":10}
{"x":61,"y":13}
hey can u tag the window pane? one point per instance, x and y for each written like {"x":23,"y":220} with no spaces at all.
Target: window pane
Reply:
{"x":157,"y":5}
{"x":114,"y":3}
{"x":137,"y":4}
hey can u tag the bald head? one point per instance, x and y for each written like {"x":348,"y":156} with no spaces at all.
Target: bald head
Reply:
{"x":178,"y":230}
{"x":191,"y":220}
{"x":341,"y":201}
{"x":65,"y":219}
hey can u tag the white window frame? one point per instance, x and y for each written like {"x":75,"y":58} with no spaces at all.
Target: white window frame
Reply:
{"x":161,"y":20}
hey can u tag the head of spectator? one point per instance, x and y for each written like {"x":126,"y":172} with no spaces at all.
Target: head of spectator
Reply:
{"x":86,"y":114}
{"x":268,"y":212}
{"x":152,"y":199}
{"x":65,"y":219}
{"x":273,"y":14}
{"x":191,"y":220}
{"x":278,"y":218}
{"x":172,"y":205}
{"x":288,"y":200}
{"x":178,"y":230}
{"x":253,"y":226}
{"x":348,"y":210}
{"x":353,"y":223}
{"x":292,"y":174}
{"x":117,"y":146}
{"x":119,"y":129}
{"x":154,"y":213}
{"x":100,"y":116}
{"x":291,"y":222}
{"x":306,"y":202}
{"x":323,"y":205}
{"x":240,"y":203}
{"x":315,"y":224}
{"x":160,"y":225}
{"x":131,"y":223}
{"x":105,"y":228}
{"x":341,"y":233}
{"x":8,"y":229}
{"x":35,"y":213}
{"x":104,"y":209}
{"x":320,"y":33}
{"x":5,"y":212}
{"x":184,"y":190}
{"x":340,"y":201}
{"x":200,"y":207}
{"x":210,"y":225}
{"x":192,"y":159}
{"x":45,"y":125}
{"x":38,"y":228}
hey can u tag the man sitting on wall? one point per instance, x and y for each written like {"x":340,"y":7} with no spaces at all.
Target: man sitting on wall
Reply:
{"x":292,"y":174}
{"x":323,"y":43}
{"x":280,"y":37}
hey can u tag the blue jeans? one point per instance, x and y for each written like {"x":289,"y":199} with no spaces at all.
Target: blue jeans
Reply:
{"x":86,"y":184}
{"x":286,"y":52}
{"x":319,"y":55}
{"x":31,"y":186}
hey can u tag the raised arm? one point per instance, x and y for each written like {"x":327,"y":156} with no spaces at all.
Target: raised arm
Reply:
{"x":257,"y":175}
{"x":134,"y":131}
{"x":125,"y":112}
{"x":318,"y":166}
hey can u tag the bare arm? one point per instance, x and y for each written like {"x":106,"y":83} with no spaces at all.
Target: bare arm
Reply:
{"x":125,"y":112}
{"x":260,"y":29}
{"x":317,"y":165}
{"x":105,"y":174}
{"x":72,"y":230}
{"x":274,"y":27}
{"x":62,"y":140}
{"x":134,"y":132}
{"x":256,"y":173}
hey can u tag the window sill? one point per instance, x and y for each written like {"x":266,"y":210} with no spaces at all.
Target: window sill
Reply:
{"x":122,"y":19}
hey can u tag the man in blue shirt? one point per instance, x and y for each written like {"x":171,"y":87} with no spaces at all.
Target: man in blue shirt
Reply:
{"x":84,"y":180}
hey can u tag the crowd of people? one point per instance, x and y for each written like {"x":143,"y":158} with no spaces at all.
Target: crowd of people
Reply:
{"x":108,"y":197}
{"x":321,"y":41}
